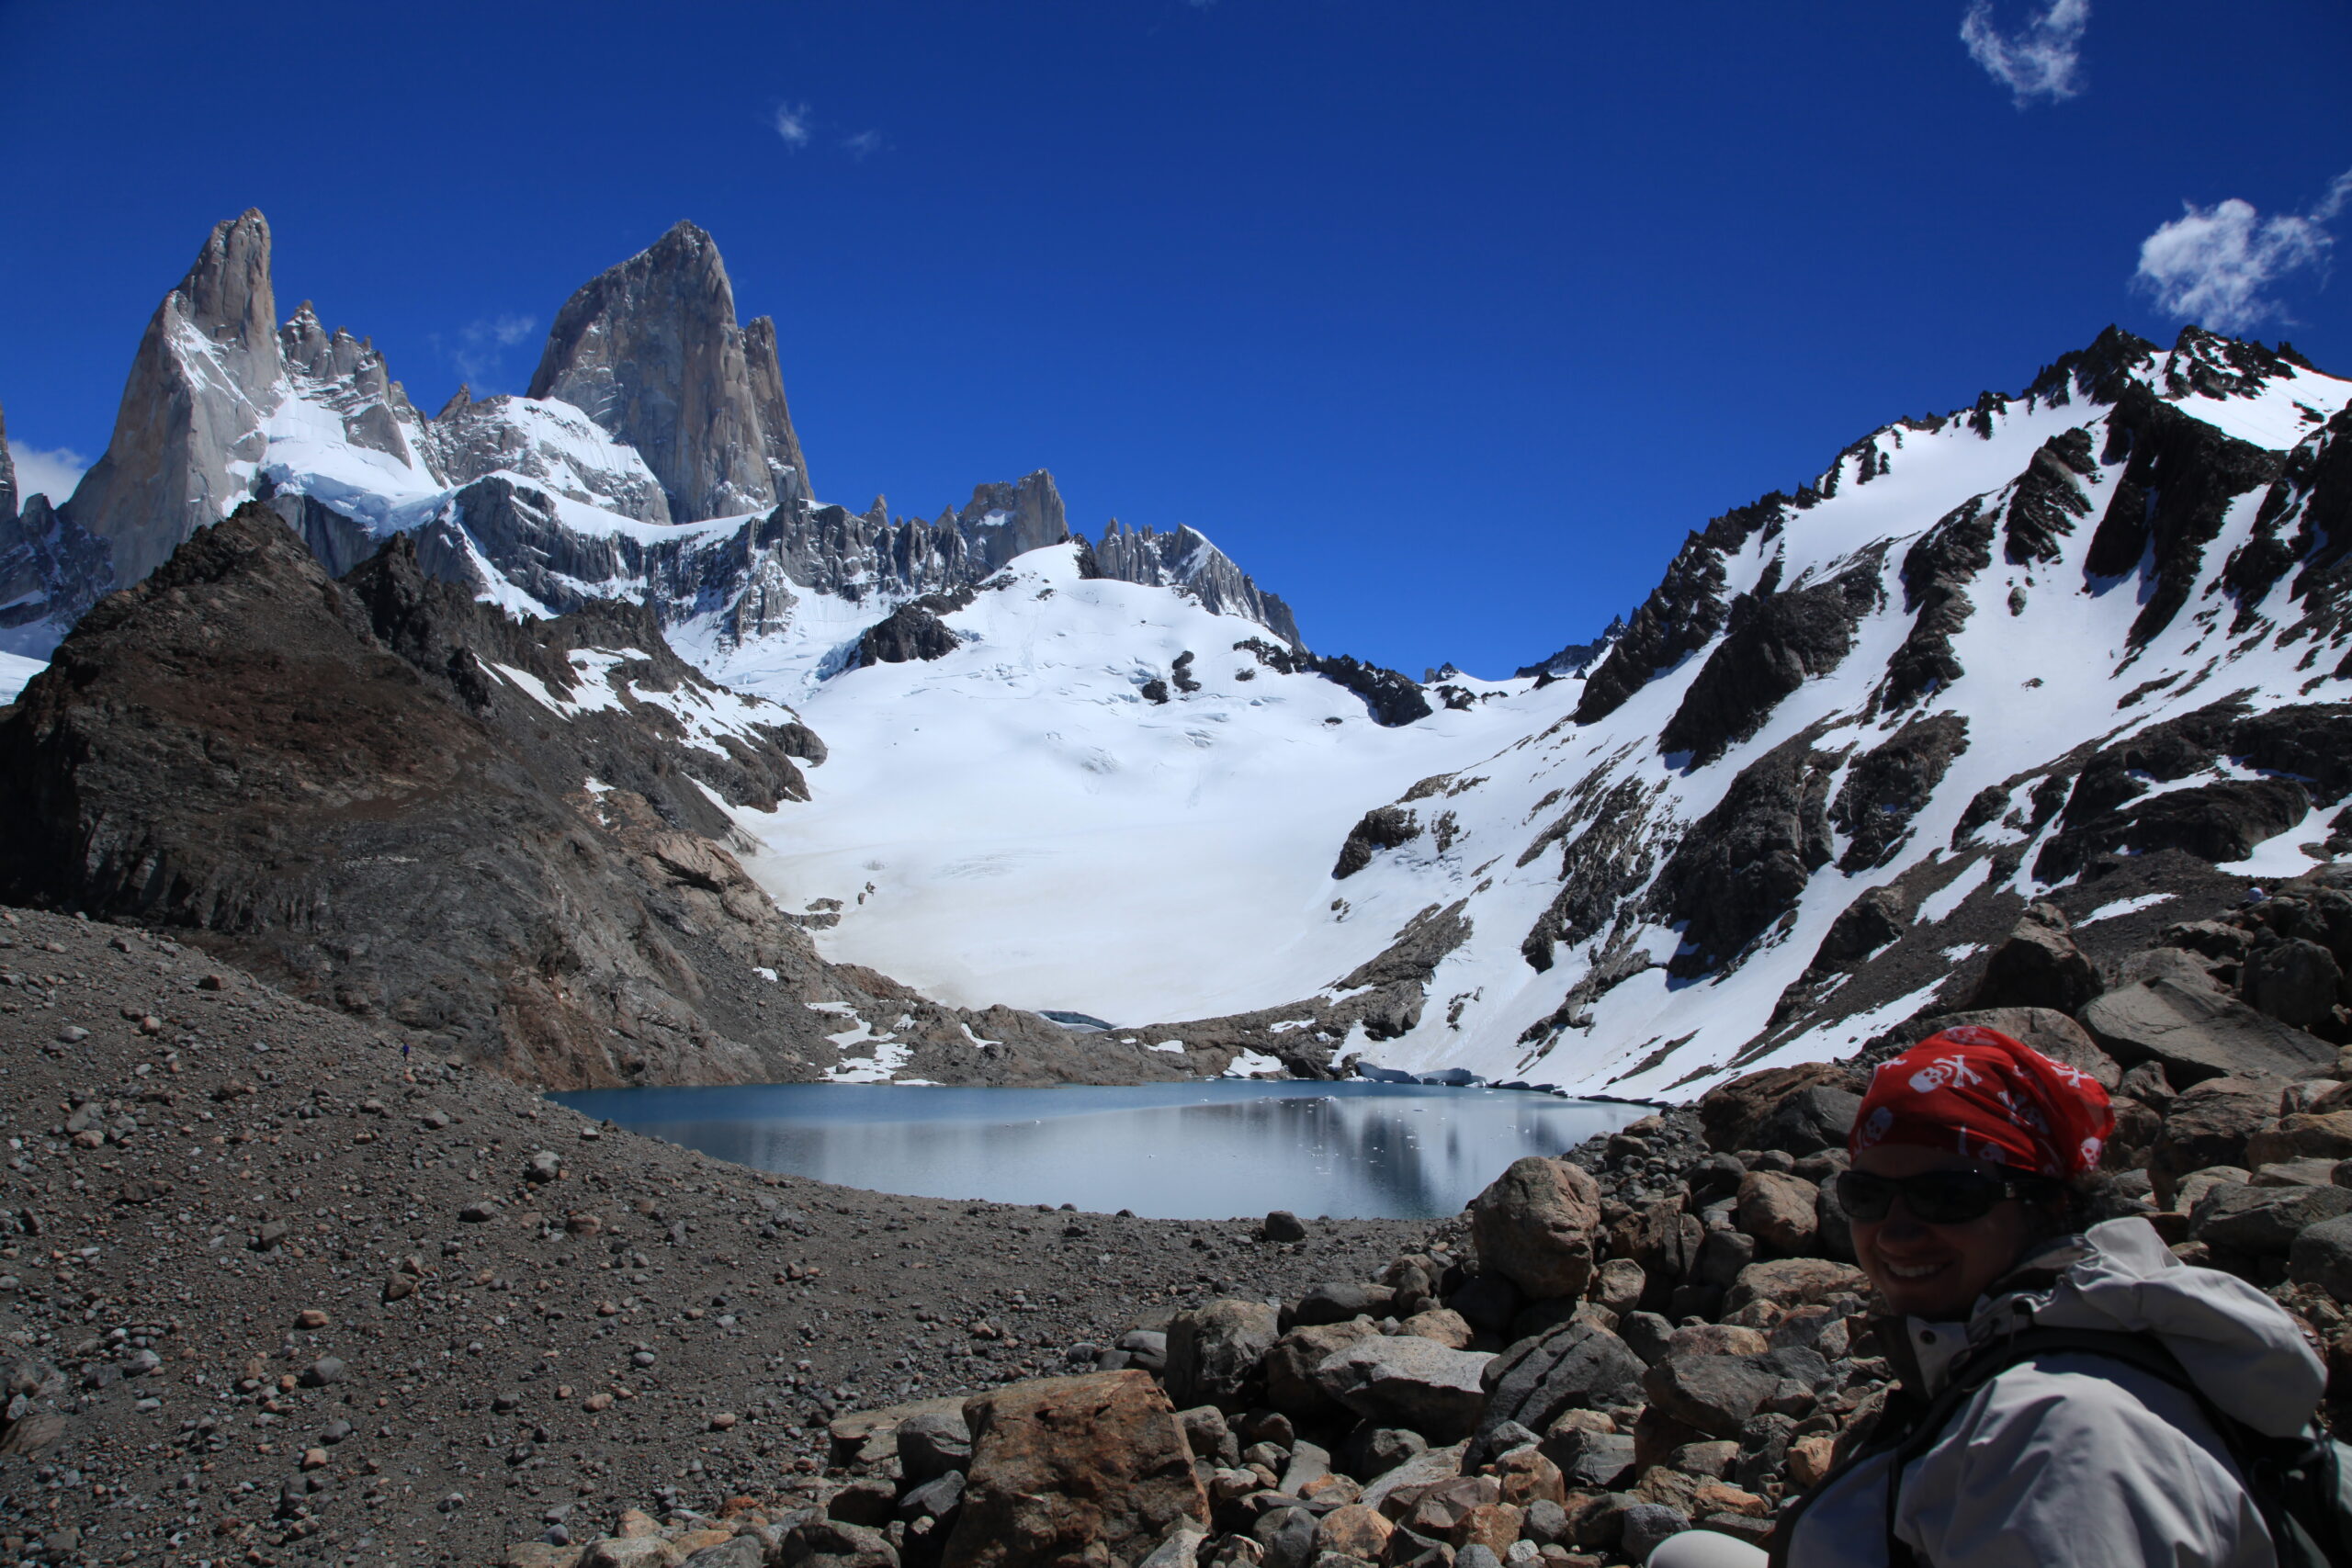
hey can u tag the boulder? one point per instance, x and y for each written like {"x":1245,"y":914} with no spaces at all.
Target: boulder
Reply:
{"x":2328,"y":1135}
{"x":2208,"y":1126}
{"x":1574,"y":1367}
{"x":1354,"y":1531}
{"x":2053,"y":1033}
{"x":1398,"y":1380}
{"x":1289,"y":1368}
{"x":2293,"y":981}
{"x":1779,"y":1211}
{"x":1534,"y":1225}
{"x":2321,"y":1256}
{"x":1067,"y":1469}
{"x":1214,"y":1352}
{"x":1448,"y":1327}
{"x":2263,"y":1219}
{"x":830,"y":1543}
{"x":1338,"y":1301}
{"x":2037,"y":966}
{"x":931,"y":1444}
{"x":1793,"y":1282}
{"x":1590,"y":1458}
{"x":2198,"y":1035}
{"x":1813,"y":1119}
{"x":1663,"y":1241}
{"x":1718,"y":1394}
{"x":1733,"y":1114}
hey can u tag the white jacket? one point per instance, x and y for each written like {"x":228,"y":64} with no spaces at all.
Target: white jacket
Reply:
{"x":2078,"y":1459}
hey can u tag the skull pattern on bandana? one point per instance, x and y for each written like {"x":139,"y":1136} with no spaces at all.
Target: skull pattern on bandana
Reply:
{"x":1984,"y":1095}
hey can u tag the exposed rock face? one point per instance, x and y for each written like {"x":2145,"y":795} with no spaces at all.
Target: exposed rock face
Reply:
{"x":393,"y":799}
{"x":1682,"y":613}
{"x":1391,"y":695}
{"x":1577,"y":657}
{"x":650,"y":350}
{"x":1935,"y":574}
{"x":912,"y":632}
{"x":1772,"y":642}
{"x":1744,"y":865}
{"x":548,"y":441}
{"x":199,"y":390}
{"x":50,"y":569}
{"x":1185,"y":559}
{"x":7,"y":476}
{"x":2179,"y":481}
{"x":1887,"y":786}
{"x":1381,"y":828}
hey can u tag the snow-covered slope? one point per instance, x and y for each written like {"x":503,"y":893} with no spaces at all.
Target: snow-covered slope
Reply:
{"x":1096,"y":802}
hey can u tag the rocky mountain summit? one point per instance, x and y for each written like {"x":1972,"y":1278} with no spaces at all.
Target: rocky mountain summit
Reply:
{"x":653,"y":461}
{"x":511,"y":837}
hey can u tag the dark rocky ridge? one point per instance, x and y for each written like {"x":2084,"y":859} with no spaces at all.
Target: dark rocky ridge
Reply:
{"x":334,"y":784}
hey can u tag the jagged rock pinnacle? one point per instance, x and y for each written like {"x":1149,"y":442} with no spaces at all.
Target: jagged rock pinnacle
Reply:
{"x":652,"y":351}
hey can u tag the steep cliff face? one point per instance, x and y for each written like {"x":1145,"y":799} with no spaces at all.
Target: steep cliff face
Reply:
{"x":188,"y":435}
{"x":650,"y":350}
{"x":1186,"y":559}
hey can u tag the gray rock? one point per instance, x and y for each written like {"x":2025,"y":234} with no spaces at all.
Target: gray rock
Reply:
{"x":1423,"y":1469}
{"x":1308,"y":1463}
{"x":931,"y":1445}
{"x":1718,"y":1394}
{"x":1186,"y":559}
{"x":2053,"y":1033}
{"x":1209,"y":1436}
{"x":1645,"y":1525}
{"x":1213,"y":1353}
{"x":1809,"y":1120}
{"x":933,"y":1499}
{"x":2198,"y":1035}
{"x":1337,"y":1301}
{"x":1590,"y":1458}
{"x":1402,"y":1381}
{"x":2294,"y":981}
{"x":651,"y":350}
{"x":1373,"y":1451}
{"x":2321,"y":1256}
{"x":1574,"y":1367}
{"x":1471,"y":1556}
{"x":1288,"y":1537}
{"x":199,"y":388}
{"x":1645,"y":1334}
{"x":324,"y":1371}
{"x":2263,"y":1219}
{"x":744,"y":1551}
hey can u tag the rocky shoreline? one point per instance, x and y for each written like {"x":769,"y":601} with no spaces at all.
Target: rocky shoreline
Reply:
{"x":277,"y":1292}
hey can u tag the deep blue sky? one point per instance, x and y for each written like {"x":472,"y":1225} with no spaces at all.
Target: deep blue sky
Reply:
{"x":1446,"y":320}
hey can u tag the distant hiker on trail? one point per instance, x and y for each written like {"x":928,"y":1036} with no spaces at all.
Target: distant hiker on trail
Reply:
{"x":2069,"y":1395}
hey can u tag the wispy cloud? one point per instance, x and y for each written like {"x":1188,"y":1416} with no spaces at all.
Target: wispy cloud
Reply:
{"x":51,"y":472}
{"x":2040,"y":60}
{"x":476,"y":351}
{"x":791,"y":122}
{"x":863,"y":145}
{"x":2216,"y":264}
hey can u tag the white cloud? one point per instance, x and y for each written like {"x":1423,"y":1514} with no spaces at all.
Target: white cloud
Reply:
{"x":791,"y":122}
{"x":53,"y":472}
{"x":864,"y":145}
{"x":2215,"y":265}
{"x":476,"y":351}
{"x":2040,"y":60}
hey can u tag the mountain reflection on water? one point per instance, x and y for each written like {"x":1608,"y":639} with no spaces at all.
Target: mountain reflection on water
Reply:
{"x":1351,"y":1150}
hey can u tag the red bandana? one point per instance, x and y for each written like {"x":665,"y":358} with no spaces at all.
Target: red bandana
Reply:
{"x":1982,"y":1094}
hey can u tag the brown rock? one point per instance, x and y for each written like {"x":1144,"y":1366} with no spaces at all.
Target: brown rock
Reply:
{"x":1534,"y":1225}
{"x":1793,"y":1282}
{"x":2038,"y":967}
{"x":2046,"y":1030}
{"x":1810,"y":1457}
{"x":1715,"y":1497}
{"x":1528,"y":1477}
{"x":1491,"y":1525}
{"x":1717,"y":1339}
{"x":2328,"y":1135}
{"x":1618,"y":1285}
{"x":1779,"y":1211}
{"x":1354,"y":1531}
{"x":1071,"y":1470}
{"x":1446,"y":1327}
{"x":2208,"y":1125}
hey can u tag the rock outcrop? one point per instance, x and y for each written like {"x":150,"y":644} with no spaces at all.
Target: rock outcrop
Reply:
{"x":1186,"y":559}
{"x":192,"y":410}
{"x":511,"y":837}
{"x":650,"y":350}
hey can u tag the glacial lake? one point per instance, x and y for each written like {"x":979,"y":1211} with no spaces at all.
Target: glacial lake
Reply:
{"x":1221,"y":1149}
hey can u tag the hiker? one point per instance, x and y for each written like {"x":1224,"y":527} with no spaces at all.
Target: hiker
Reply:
{"x":1971,"y":1189}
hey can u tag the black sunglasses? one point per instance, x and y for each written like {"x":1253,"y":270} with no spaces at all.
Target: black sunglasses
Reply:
{"x":1935,"y":1197}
